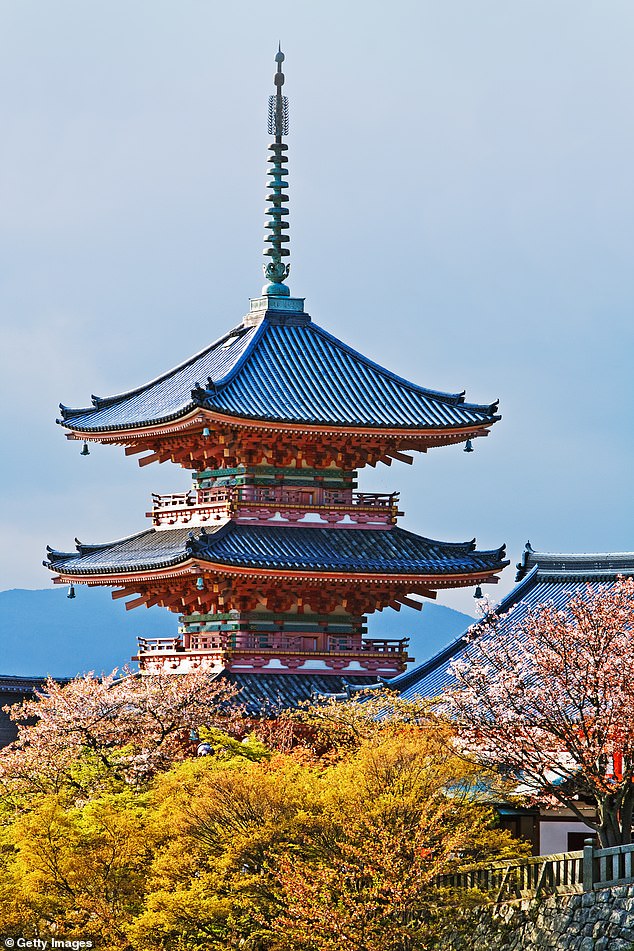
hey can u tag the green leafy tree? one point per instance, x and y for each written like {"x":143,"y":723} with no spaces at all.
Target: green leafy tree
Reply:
{"x":318,"y":853}
{"x":75,"y":870}
{"x":330,"y":842}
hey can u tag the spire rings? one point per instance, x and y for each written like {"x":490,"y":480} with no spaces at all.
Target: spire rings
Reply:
{"x":276,"y":271}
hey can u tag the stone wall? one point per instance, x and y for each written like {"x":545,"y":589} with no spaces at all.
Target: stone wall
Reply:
{"x":594,"y":921}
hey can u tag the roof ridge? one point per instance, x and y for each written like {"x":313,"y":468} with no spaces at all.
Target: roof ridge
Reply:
{"x":469,"y":546}
{"x":83,"y":547}
{"x":411,"y":676}
{"x":218,"y":533}
{"x":405,"y":680}
{"x":453,"y":399}
{"x":246,"y":355}
{"x":568,"y":563}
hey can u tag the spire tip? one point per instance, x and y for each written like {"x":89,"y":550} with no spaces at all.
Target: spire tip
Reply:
{"x":276,"y":271}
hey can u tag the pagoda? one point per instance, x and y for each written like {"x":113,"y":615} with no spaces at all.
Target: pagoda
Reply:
{"x":274,"y":558}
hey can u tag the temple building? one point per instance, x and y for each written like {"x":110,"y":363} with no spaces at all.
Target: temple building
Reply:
{"x":274,"y":557}
{"x":543,"y":578}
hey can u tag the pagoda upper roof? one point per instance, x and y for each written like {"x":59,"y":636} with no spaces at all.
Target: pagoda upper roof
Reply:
{"x":543,"y":578}
{"x":287,"y":371}
{"x":288,"y":549}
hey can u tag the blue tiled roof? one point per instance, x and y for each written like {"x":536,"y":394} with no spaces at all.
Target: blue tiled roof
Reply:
{"x":544,"y":578}
{"x":26,"y":686}
{"x":289,"y":548}
{"x":283,"y":372}
{"x":168,"y":396}
{"x":269,"y":694}
{"x":146,"y":550}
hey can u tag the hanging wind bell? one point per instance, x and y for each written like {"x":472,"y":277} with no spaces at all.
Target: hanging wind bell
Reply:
{"x":85,"y":451}
{"x":477,"y":594}
{"x":71,"y":592}
{"x":200,"y":584}
{"x":468,"y":447}
{"x":206,"y":432}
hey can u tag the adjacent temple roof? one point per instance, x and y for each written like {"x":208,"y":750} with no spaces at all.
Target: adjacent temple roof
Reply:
{"x":25,"y":686}
{"x":291,"y":549}
{"x":543,"y":578}
{"x":284,"y":372}
{"x":14,"y":689}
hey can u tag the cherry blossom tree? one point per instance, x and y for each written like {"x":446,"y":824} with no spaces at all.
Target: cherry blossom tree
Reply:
{"x":551,"y":703}
{"x":132,"y":724}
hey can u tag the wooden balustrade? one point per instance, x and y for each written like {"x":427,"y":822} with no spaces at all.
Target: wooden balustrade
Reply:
{"x":302,"y":642}
{"x":274,"y":495}
{"x":175,"y":500}
{"x":148,"y":644}
{"x":382,"y":645}
{"x":589,"y":869}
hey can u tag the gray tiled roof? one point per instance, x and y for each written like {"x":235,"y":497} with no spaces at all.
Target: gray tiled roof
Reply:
{"x":25,"y":686}
{"x":13,"y":690}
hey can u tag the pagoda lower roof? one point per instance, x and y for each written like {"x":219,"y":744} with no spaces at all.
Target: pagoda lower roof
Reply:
{"x":284,"y":372}
{"x":266,"y":695}
{"x":289,"y":550}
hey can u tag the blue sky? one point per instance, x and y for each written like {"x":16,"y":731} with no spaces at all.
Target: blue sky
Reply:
{"x":462,"y":210}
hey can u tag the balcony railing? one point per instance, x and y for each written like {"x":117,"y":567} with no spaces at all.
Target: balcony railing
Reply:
{"x":149,"y":645}
{"x":274,"y":641}
{"x":382,"y":645}
{"x":263,"y":502}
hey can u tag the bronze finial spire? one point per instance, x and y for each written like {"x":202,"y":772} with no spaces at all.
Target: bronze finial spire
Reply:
{"x":276,"y":271}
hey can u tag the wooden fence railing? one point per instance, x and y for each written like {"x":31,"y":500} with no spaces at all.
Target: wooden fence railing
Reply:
{"x":584,"y":871}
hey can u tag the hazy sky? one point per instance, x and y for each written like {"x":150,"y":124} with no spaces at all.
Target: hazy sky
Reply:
{"x":462,"y":210}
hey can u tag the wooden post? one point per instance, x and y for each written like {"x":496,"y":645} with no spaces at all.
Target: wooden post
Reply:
{"x":588,"y":865}
{"x":500,"y":891}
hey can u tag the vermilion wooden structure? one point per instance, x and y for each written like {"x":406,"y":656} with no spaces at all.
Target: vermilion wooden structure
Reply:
{"x":273,"y":557}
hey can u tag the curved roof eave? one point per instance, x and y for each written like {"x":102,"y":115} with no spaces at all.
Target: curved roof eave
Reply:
{"x":453,"y":398}
{"x":296,"y":550}
{"x":190,"y":394}
{"x":99,"y":402}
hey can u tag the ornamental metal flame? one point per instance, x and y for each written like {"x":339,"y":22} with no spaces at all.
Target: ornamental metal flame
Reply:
{"x":276,"y":271}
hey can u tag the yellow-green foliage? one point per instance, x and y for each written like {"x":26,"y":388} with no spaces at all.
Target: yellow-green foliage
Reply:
{"x":331,"y":845}
{"x":75,"y":868}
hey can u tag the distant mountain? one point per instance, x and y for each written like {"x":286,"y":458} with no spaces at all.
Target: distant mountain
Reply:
{"x":42,"y":632}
